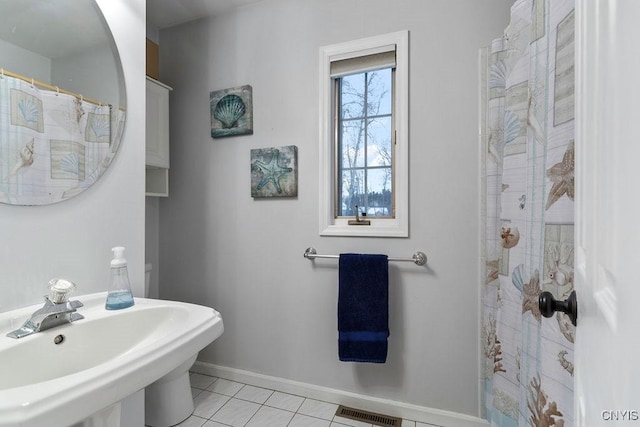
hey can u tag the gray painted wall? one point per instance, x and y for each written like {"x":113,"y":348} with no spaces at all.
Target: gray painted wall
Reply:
{"x":25,"y":62}
{"x":221,"y":248}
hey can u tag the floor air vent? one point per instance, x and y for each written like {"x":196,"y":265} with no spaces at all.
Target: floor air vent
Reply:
{"x":369,"y":417}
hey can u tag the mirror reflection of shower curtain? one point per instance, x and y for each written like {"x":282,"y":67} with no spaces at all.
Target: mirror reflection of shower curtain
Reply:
{"x":21,"y":130}
{"x":52,"y":145}
{"x":527,"y":103}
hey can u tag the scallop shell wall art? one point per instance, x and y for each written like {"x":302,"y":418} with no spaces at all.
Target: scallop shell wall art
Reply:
{"x":231,"y":111}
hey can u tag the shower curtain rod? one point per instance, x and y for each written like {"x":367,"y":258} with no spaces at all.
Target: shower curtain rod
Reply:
{"x":419,"y":258}
{"x":34,"y":82}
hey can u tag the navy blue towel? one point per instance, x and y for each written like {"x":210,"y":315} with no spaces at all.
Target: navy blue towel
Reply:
{"x":363,"y":308}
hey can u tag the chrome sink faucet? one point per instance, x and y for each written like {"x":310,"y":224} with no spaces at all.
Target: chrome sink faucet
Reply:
{"x":57,"y":310}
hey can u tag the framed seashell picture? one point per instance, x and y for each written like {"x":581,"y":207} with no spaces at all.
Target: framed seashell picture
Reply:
{"x":231,"y":112}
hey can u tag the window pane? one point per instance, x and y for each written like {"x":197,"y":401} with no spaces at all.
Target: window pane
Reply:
{"x":352,"y":191}
{"x":379,"y":92}
{"x":379,"y":142}
{"x":365,"y":143}
{"x":379,"y":192}
{"x":352,"y":96}
{"x":352,"y":144}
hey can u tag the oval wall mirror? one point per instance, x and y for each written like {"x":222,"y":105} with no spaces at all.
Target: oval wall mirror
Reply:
{"x":62,"y":99}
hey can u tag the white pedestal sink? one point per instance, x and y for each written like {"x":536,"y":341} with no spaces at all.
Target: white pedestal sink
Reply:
{"x":67,"y":374}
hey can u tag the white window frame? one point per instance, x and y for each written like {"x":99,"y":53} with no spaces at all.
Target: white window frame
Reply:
{"x":398,"y":226}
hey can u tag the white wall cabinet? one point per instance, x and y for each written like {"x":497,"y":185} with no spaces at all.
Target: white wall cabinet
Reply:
{"x":157,"y":139}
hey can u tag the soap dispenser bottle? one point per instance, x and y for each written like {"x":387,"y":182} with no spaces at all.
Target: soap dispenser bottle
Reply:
{"x":119,"y":295}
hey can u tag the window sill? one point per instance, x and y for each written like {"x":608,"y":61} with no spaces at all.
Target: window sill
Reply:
{"x":378,"y":228}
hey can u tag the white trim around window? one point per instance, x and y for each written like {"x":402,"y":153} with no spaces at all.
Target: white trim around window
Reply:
{"x":380,"y":227}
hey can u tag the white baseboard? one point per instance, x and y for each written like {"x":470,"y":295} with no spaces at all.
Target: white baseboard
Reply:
{"x":368,"y":403}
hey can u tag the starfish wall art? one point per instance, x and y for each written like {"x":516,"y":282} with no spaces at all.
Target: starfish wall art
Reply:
{"x":274,"y":172}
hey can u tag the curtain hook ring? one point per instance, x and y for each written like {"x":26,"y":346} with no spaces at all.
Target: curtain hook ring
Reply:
{"x":57,"y":90}
{"x":2,"y":73}
{"x":33,"y":82}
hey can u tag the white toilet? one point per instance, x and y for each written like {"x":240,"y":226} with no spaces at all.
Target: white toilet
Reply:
{"x":168,"y":401}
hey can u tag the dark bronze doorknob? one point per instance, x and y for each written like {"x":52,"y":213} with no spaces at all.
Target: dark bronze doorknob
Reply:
{"x":548,"y":305}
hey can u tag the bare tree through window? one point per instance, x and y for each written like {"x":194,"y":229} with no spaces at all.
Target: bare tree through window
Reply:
{"x":365,"y":143}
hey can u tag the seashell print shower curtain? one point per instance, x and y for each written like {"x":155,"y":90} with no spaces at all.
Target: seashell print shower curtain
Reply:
{"x":528,"y":214}
{"x":52,"y":145}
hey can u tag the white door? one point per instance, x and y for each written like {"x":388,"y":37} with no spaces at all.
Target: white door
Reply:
{"x":607,"y":347}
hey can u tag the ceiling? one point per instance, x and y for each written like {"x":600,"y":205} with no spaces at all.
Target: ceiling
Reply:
{"x":167,"y":13}
{"x":51,"y":29}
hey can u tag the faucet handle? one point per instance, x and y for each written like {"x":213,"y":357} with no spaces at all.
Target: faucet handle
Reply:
{"x":60,"y":290}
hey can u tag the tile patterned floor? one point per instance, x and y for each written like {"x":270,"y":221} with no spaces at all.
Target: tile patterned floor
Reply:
{"x":223,"y":403}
